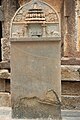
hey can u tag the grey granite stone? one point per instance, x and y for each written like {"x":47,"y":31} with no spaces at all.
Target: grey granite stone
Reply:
{"x":35,"y":62}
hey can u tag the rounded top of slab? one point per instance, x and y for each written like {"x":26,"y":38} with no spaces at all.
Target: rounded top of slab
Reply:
{"x":35,"y":12}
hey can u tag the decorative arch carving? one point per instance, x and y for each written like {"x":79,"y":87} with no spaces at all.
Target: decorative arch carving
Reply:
{"x":35,"y":19}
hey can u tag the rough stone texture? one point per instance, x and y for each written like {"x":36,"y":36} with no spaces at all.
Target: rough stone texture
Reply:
{"x":70,"y":61}
{"x":69,"y":38}
{"x":77,"y":11}
{"x":78,"y":45}
{"x":4,"y":74}
{"x":71,"y":102}
{"x":5,"y":49}
{"x":5,"y":80}
{"x":5,"y":85}
{"x":5,"y":65}
{"x":2,"y":85}
{"x":56,"y":4}
{"x":1,"y":14}
{"x":72,"y":114}
{"x":5,"y":99}
{"x":33,"y":108}
{"x":69,"y":72}
{"x":9,"y":8}
{"x":70,"y":88}
{"x":78,"y":54}
{"x":5,"y":114}
{"x":22,"y":2}
{"x":39,"y":26}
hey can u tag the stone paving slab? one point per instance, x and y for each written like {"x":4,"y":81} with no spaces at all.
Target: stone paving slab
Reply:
{"x":5,"y":114}
{"x":71,"y":118}
{"x":71,"y":113}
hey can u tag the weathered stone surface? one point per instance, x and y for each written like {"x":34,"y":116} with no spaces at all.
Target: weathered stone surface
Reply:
{"x":5,"y":114}
{"x":32,"y":108}
{"x":70,"y":88}
{"x":5,"y":49}
{"x":2,"y":85}
{"x":34,"y":79}
{"x":72,"y":114}
{"x":28,"y":25}
{"x":21,"y":2}
{"x":78,"y":45}
{"x":9,"y":8}
{"x":69,"y":29}
{"x":5,"y":65}
{"x":5,"y":85}
{"x":35,"y":43}
{"x":4,"y":74}
{"x":69,"y":72}
{"x":77,"y":10}
{"x":5,"y":99}
{"x":70,"y":61}
{"x":1,"y":14}
{"x":71,"y":102}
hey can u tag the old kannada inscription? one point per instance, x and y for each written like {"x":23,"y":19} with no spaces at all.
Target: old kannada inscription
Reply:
{"x":35,"y":62}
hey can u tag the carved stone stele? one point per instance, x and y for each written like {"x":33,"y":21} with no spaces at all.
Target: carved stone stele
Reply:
{"x":35,"y":62}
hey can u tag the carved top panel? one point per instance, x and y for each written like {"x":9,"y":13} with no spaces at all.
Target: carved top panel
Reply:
{"x":35,"y":19}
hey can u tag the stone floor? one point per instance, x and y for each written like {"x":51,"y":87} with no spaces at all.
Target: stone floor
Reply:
{"x":5,"y":114}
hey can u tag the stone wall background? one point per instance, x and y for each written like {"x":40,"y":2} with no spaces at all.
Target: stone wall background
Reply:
{"x":9,"y":8}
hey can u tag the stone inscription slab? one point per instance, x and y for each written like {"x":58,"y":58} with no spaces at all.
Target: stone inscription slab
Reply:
{"x":36,"y":79}
{"x":35,"y":62}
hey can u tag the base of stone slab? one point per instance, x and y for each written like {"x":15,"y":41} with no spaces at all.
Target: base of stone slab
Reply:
{"x":34,"y":109}
{"x":37,"y":113}
{"x":5,"y":114}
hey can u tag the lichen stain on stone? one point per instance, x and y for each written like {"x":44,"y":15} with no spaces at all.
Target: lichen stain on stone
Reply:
{"x":50,"y":98}
{"x":35,"y":107}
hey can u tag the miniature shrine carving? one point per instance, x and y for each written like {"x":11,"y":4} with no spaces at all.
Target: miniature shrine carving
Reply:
{"x":39,"y":20}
